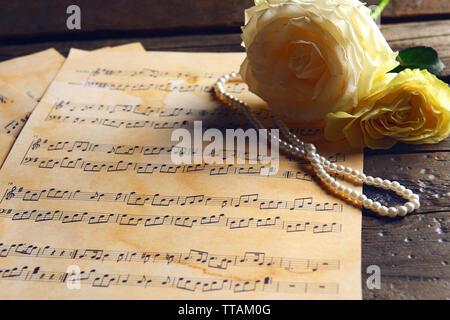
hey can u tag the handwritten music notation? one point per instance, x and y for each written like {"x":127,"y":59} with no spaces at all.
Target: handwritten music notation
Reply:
{"x":14,"y":127}
{"x":4,"y":99}
{"x":132,"y":220}
{"x":220,"y":116}
{"x":147,"y":150}
{"x":151,"y":73}
{"x":158,"y":200}
{"x":191,"y":284}
{"x":171,"y":86}
{"x":164,"y":112}
{"x":118,"y":123}
{"x":194,"y":256}
{"x":182,"y":230}
{"x":162,"y":168}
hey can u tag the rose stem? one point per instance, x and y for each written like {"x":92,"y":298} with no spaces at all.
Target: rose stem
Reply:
{"x":377,"y":11}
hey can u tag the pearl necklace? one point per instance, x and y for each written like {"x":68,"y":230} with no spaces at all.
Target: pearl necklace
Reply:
{"x":320,"y":164}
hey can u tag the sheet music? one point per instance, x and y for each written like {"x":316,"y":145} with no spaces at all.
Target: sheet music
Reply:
{"x":32,"y":74}
{"x":91,"y":206}
{"x":23,"y":81}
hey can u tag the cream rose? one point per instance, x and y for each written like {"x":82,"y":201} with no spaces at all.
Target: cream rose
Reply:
{"x":412,"y":106}
{"x":307,"y":58}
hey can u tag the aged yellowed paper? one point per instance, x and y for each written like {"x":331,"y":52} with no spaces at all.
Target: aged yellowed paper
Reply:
{"x":92,"y":206}
{"x":23,"y":82}
{"x":33,"y":73}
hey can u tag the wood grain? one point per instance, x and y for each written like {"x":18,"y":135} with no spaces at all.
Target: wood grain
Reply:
{"x":424,"y":173}
{"x":402,"y":8}
{"x":31,"y":17}
{"x":38,"y":18}
{"x":412,"y":253}
{"x":429,"y":33}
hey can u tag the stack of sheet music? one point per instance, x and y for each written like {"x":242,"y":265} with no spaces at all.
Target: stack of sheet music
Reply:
{"x":92,"y":207}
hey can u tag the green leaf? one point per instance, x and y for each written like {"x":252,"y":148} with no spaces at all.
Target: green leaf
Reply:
{"x":419,"y":58}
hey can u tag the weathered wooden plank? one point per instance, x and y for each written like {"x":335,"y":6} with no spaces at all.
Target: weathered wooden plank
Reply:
{"x":429,"y":33}
{"x":428,"y":174}
{"x":412,"y":252}
{"x":413,"y":255}
{"x":434,"y":34}
{"x":31,"y":18}
{"x":401,"y":8}
{"x":443,"y":146}
{"x":28,"y":17}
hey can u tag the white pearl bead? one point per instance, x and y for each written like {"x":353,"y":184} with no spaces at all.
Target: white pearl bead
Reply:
{"x":347,"y":170}
{"x":395,"y":185}
{"x":347,"y":191}
{"x":409,"y":206}
{"x":341,"y":188}
{"x":414,"y":197}
{"x":310,"y":155}
{"x":392,"y":212}
{"x":400,"y":189}
{"x":407,"y":193}
{"x":376,"y":206}
{"x":332,"y":166}
{"x":415,"y":203}
{"x":369,"y":180}
{"x":361,"y":198}
{"x":340,"y":168}
{"x":377,"y":182}
{"x":310,"y":148}
{"x":354,"y":195}
{"x":402,"y":211}
{"x":326,"y":163}
{"x":383,"y":210}
{"x":328,"y":179}
{"x":355,"y":173}
{"x":386,"y":184}
{"x":334,"y":184}
{"x":367,"y":203}
{"x":315,"y":162}
{"x":362,"y":176}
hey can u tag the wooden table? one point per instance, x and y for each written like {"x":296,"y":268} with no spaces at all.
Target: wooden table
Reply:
{"x":412,"y":252}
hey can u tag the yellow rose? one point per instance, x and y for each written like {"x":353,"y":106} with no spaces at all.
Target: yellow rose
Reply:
{"x":413,"y":107}
{"x":308,"y":58}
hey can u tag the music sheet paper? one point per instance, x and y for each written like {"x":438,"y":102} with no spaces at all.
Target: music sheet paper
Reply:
{"x":23,"y":81}
{"x":92,"y":208}
{"x":33,"y":73}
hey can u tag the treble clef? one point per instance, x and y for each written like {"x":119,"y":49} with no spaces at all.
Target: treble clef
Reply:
{"x":10,"y":193}
{"x":36,"y":144}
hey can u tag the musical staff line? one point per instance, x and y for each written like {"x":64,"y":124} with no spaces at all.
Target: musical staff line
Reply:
{"x":118,"y":123}
{"x":162,"y":168}
{"x":146,"y":150}
{"x":189,"y":284}
{"x":170,"y":86}
{"x":194,"y":256}
{"x":152,"y":73}
{"x":131,"y":220}
{"x":13,"y":127}
{"x":158,"y":200}
{"x":163,"y":112}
